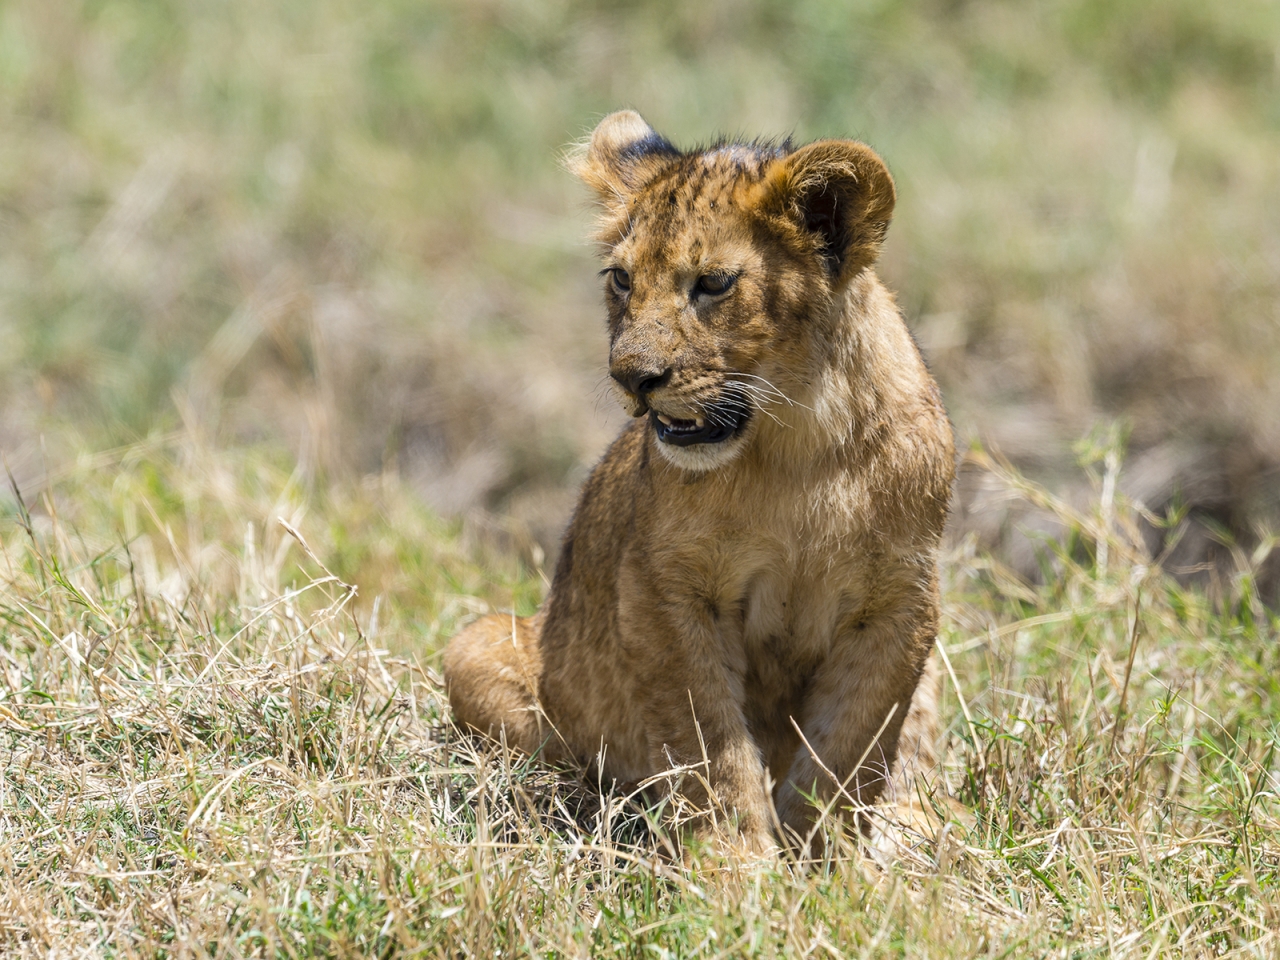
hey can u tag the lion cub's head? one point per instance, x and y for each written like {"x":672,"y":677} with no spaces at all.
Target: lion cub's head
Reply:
{"x":723,"y":267}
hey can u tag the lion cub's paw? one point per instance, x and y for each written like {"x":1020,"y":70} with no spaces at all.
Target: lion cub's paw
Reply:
{"x":714,"y":849}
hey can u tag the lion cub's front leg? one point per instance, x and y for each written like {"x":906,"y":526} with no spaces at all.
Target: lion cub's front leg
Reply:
{"x":870,"y":712}
{"x":691,"y":702}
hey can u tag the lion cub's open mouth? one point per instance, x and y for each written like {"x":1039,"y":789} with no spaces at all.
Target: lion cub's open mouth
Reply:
{"x":717,"y":427}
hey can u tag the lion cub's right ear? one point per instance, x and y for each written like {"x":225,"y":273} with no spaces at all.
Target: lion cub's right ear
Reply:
{"x":623,"y":154}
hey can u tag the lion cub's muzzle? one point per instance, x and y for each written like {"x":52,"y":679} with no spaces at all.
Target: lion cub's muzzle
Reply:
{"x":721,"y":419}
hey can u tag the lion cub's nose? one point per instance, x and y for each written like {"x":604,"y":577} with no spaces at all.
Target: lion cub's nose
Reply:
{"x":639,"y":378}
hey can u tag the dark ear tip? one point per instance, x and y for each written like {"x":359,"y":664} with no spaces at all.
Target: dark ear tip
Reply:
{"x":619,"y":130}
{"x":622,"y":153}
{"x":654,"y":144}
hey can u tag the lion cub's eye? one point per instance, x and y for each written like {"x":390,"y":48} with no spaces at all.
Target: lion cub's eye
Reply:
{"x":621,"y":279}
{"x":714,"y":284}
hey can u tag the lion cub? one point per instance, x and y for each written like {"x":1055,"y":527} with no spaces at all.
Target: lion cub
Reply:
{"x":756,"y":554}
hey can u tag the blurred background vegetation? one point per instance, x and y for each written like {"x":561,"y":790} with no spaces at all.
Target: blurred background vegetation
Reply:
{"x":336,"y":233}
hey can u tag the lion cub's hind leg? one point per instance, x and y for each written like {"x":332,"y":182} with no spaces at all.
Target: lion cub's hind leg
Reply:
{"x":915,"y":768}
{"x":491,"y":674}
{"x":918,"y":804}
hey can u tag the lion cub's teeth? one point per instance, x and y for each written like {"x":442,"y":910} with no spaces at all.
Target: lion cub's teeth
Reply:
{"x":665,"y":419}
{"x":701,"y":422}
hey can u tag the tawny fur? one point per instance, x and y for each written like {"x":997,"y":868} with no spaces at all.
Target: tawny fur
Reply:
{"x":716,"y":597}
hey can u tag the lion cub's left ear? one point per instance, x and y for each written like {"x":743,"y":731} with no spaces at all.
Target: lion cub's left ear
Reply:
{"x":623,"y":154}
{"x":840,"y":195}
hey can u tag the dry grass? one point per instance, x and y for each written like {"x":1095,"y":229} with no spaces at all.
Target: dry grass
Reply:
{"x":209,"y":751}
{"x":339,"y":226}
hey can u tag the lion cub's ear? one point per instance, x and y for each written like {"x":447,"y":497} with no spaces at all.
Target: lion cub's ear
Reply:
{"x":623,"y":154}
{"x":840,"y":194}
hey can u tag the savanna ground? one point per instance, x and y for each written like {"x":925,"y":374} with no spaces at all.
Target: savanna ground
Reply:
{"x":211,"y":750}
{"x":301,"y":364}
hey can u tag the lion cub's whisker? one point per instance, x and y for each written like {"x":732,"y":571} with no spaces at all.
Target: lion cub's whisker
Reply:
{"x":772,"y":389}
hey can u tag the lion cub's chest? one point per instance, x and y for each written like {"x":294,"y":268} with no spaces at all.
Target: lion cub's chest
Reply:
{"x":793,"y":609}
{"x":783,"y":578}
